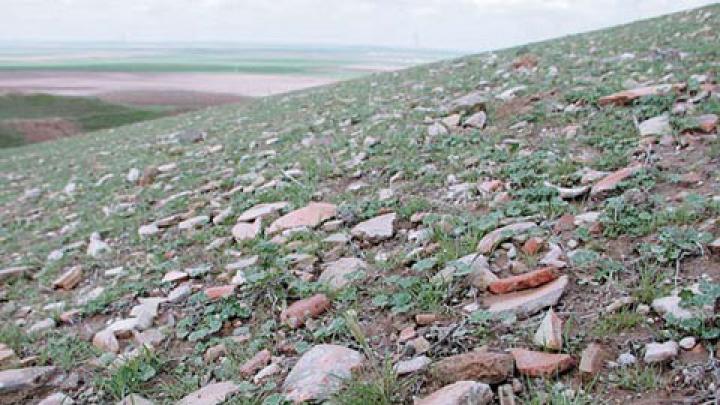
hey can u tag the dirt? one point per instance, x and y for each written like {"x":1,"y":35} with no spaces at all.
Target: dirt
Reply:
{"x":44,"y":129}
{"x":69,"y":83}
{"x":181,"y":100}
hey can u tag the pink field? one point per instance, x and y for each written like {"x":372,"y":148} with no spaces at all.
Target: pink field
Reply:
{"x":115,"y":84}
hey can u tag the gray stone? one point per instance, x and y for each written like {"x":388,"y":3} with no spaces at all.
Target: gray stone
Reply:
{"x":459,"y":393}
{"x":376,"y":229}
{"x":660,"y":352}
{"x":24,"y":378}
{"x":656,"y":126}
{"x":413,"y":365}
{"x":341,"y":272}
{"x":320,"y":371}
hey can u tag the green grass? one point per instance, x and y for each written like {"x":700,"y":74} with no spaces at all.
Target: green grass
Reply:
{"x":10,"y":137}
{"x":613,"y":324}
{"x":89,"y":114}
{"x":333,"y":62}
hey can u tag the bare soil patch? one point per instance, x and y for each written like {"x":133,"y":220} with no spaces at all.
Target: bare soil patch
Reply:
{"x":43,"y":129}
{"x":180,"y":100}
{"x":69,"y":83}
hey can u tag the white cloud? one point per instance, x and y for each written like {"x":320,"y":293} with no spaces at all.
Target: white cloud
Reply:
{"x":451,"y":24}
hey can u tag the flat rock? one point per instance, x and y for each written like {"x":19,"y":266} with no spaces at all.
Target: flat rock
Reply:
{"x":296,"y":314}
{"x":341,"y":272}
{"x":656,"y":126}
{"x":376,"y":229}
{"x":179,"y":293}
{"x":69,"y":279}
{"x":246,"y":231}
{"x":12,"y":272}
{"x":660,"y":352}
{"x":221,"y":291}
{"x":412,"y":366}
{"x":569,"y":193}
{"x":539,"y":364}
{"x":706,"y":122}
{"x":469,"y":103}
{"x":123,"y":327}
{"x":483,"y":366}
{"x":210,"y":394}
{"x":194,"y":222}
{"x":175,"y":276}
{"x":134,"y":399}
{"x":527,"y":302}
{"x":611,"y":181}
{"x":255,"y":363}
{"x":625,"y":97}
{"x":96,"y":246}
{"x":492,"y":239}
{"x":262,"y":211}
{"x":436,"y":129}
{"x":320,"y":371}
{"x":148,"y":230}
{"x":594,"y":358}
{"x":670,"y":306}
{"x":105,"y":340}
{"x":24,"y":379}
{"x":42,"y":325}
{"x":7,"y":355}
{"x":459,"y":393}
{"x":524,"y":281}
{"x":477,"y":120}
{"x":57,"y":398}
{"x":310,"y":216}
{"x":476,"y":268}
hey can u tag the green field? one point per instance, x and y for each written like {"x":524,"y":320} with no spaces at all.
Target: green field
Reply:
{"x":89,"y":114}
{"x":334,"y":62}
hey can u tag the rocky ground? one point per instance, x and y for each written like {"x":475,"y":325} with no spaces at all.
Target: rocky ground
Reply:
{"x":536,"y":225}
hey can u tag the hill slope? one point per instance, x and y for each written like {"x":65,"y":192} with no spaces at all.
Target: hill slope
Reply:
{"x":557,"y":200}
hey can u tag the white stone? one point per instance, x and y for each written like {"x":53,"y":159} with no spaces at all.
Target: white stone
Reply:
{"x":194,"y":222}
{"x":626,"y":359}
{"x":671,"y":306}
{"x":148,"y":230}
{"x":376,"y":229}
{"x":320,"y":371}
{"x":460,"y":393}
{"x":341,"y":272}
{"x":413,"y":365}
{"x":687,"y":343}
{"x":97,"y":247}
{"x":133,"y":175}
{"x":179,"y":293}
{"x":658,"y":126}
{"x":41,"y":326}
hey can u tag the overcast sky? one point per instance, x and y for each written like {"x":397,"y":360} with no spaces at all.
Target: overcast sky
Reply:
{"x":467,"y":25}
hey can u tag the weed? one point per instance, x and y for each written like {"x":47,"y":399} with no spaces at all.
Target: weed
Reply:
{"x":637,"y":378}
{"x":132,"y":376}
{"x":612,"y":324}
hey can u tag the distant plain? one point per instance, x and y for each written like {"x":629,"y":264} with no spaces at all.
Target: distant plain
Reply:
{"x":145,"y":81}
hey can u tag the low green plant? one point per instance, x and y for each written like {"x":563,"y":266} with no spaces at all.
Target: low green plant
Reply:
{"x":66,"y":351}
{"x":610,"y":325}
{"x":637,"y":378}
{"x":209,"y":317}
{"x":132,"y":376}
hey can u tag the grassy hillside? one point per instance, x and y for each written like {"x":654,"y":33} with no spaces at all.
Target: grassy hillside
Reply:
{"x":88,"y":114}
{"x":382,"y":144}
